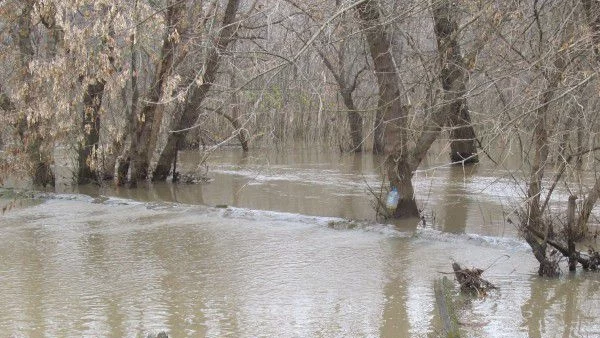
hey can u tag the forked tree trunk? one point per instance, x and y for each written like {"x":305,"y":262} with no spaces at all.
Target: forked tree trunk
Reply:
{"x":454,"y":83}
{"x":346,"y":89}
{"x":197,"y":94}
{"x":140,"y":150}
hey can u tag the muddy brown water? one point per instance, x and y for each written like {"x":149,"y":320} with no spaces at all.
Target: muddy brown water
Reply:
{"x":281,"y":261}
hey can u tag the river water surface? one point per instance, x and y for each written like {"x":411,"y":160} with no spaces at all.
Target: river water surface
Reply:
{"x":281,"y":260}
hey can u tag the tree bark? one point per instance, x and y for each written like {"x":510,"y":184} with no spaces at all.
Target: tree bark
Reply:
{"x":380,"y":47}
{"x":197,"y":94}
{"x":454,"y":80}
{"x":140,"y":150}
{"x":391,"y":115}
{"x":586,"y":210}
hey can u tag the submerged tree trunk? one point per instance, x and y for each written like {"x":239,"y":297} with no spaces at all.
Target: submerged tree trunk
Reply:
{"x":355,"y":122}
{"x":571,"y":233}
{"x":180,"y":124}
{"x":140,"y":149}
{"x":391,"y":114}
{"x":454,"y":82}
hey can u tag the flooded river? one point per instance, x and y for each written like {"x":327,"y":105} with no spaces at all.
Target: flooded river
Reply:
{"x":281,"y":260}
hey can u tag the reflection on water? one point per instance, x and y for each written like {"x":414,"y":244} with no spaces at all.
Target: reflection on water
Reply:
{"x":105,"y":266}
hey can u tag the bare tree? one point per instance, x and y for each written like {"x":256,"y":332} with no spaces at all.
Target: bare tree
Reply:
{"x":454,"y":79}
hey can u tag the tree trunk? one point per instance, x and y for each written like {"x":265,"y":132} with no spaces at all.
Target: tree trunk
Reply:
{"x":547,"y":267}
{"x":241,"y":133}
{"x":197,"y":94}
{"x":586,"y":210}
{"x":346,"y":89}
{"x":454,"y":82}
{"x":571,"y":233}
{"x":380,"y":47}
{"x":390,"y":113}
{"x":88,"y":151}
{"x":400,"y":175}
{"x":540,"y":143}
{"x":141,"y":151}
{"x":378,"y":133}
{"x":355,"y":121}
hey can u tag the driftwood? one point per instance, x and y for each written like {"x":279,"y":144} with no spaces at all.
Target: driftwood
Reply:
{"x":470,"y":280}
